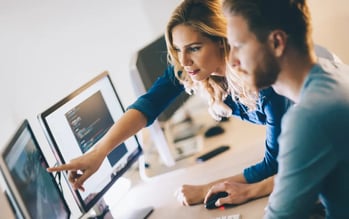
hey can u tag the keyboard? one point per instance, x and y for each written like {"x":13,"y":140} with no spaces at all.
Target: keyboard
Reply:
{"x":233,"y":216}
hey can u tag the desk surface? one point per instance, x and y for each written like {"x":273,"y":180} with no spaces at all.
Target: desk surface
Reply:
{"x":246,"y":147}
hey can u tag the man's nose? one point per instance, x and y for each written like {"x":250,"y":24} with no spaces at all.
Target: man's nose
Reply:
{"x":233,"y":60}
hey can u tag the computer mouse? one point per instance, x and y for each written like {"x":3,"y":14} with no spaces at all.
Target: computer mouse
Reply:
{"x":213,"y":131}
{"x":210,"y":204}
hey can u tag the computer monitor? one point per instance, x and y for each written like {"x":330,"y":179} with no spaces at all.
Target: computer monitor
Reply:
{"x":7,"y":211}
{"x":34,"y":190}
{"x":147,"y":65}
{"x":74,"y":125}
{"x":8,"y":204}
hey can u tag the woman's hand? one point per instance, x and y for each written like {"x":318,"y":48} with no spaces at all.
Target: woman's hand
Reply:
{"x":81,"y":168}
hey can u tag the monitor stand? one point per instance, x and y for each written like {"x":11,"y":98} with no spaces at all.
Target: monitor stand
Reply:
{"x":99,"y":211}
{"x":107,"y":207}
{"x":142,"y":213}
{"x":116,"y":192}
{"x":103,"y":212}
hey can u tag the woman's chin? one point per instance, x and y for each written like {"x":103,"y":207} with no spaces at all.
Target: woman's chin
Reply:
{"x":198,"y":78}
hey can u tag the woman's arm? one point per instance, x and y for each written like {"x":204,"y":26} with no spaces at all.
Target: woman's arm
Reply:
{"x":128,"y":125}
{"x":140,"y":114}
{"x":84,"y":166}
{"x":257,"y":180}
{"x":273,"y":107}
{"x":164,"y":90}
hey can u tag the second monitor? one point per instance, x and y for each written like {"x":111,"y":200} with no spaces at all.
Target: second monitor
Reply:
{"x":76,"y":123}
{"x":33,"y":190}
{"x":148,"y":65}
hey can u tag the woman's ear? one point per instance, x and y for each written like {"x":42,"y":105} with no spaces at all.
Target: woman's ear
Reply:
{"x":277,"y":41}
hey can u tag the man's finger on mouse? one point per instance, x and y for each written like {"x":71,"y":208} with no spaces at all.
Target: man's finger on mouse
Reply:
{"x":222,"y":201}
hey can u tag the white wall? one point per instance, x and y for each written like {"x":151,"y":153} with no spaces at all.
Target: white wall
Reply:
{"x":330,"y":25}
{"x":48,"y":48}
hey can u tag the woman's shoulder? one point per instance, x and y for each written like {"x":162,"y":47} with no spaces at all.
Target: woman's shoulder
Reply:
{"x":269,"y":100}
{"x":269,"y":95}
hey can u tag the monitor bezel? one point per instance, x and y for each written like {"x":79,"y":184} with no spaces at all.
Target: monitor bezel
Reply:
{"x":85,"y":207}
{"x":150,"y":63}
{"x":14,"y":192}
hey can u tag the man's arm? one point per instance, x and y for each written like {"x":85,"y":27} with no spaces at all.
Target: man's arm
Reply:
{"x":238,"y":189}
{"x":305,"y":158}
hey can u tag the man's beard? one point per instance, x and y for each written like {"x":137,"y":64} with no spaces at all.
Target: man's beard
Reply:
{"x":266,"y":72}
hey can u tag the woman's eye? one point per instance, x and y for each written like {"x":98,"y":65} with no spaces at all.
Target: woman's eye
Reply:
{"x":194,"y":49}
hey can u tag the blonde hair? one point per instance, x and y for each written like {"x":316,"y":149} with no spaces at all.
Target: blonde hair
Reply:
{"x":206,"y":17}
{"x":239,"y":90}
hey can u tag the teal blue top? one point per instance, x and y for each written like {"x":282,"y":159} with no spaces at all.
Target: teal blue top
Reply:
{"x":314,"y":147}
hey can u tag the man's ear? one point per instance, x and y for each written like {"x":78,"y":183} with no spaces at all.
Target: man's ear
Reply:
{"x":277,"y":42}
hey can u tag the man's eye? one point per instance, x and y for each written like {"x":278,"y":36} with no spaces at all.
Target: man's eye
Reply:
{"x":237,"y":46}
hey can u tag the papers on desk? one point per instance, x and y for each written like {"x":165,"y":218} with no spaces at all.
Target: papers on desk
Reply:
{"x":184,"y":138}
{"x":186,"y":148}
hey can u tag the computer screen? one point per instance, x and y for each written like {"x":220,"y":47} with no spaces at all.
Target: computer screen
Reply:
{"x":76,"y":123}
{"x":148,"y":65}
{"x":34,"y":190}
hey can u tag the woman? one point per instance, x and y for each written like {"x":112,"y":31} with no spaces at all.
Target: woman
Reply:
{"x":197,"y":47}
{"x":196,"y":39}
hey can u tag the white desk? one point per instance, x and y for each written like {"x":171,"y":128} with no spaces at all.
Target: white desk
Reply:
{"x":246,"y":147}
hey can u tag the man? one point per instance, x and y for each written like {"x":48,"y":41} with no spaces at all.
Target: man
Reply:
{"x":271,"y":45}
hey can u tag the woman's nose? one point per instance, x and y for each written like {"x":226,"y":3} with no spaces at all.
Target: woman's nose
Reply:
{"x":185,"y":60}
